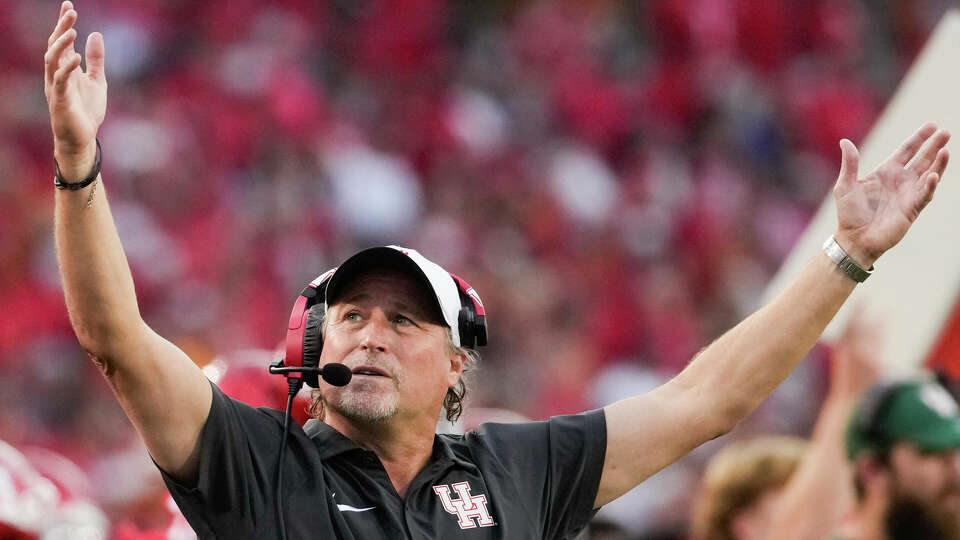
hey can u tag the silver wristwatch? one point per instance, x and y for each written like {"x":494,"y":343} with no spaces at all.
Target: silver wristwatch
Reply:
{"x":848,"y":265}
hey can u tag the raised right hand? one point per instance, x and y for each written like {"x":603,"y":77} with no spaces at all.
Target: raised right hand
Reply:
{"x":77,"y":100}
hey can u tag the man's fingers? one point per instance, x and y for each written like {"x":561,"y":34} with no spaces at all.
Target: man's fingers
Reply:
{"x":940,"y":164}
{"x":922,"y":161}
{"x":64,"y":23}
{"x":849,"y":163}
{"x":64,"y":8}
{"x":910,"y":146}
{"x":95,"y":55}
{"x":52,"y":59}
{"x":927,"y":187}
{"x":62,"y":75}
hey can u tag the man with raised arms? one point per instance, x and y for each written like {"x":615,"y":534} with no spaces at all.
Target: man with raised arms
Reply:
{"x":374,"y":468}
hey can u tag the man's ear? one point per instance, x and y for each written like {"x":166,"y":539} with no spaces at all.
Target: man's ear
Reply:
{"x":457,"y":362}
{"x":875,"y":478}
{"x":874,"y":475}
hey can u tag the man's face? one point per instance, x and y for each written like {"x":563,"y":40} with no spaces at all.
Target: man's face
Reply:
{"x":926,"y":494}
{"x":930,"y":477}
{"x":385,"y":329}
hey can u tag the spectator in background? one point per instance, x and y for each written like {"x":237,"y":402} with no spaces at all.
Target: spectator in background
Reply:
{"x":743,"y":485}
{"x":904,"y":442}
{"x":783,"y":487}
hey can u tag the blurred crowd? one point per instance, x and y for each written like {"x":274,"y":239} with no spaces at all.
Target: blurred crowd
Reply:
{"x":618,"y":180}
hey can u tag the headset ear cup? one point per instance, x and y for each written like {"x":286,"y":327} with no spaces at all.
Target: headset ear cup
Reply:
{"x":465,"y":322}
{"x":313,"y":342}
{"x":473,"y":330}
{"x":472,"y":317}
{"x":480,"y":330}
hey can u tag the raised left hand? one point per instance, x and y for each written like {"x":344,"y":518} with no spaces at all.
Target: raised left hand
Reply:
{"x":857,"y":361}
{"x":875,"y":212}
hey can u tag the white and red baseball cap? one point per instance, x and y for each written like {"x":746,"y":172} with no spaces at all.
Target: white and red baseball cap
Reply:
{"x":446,"y":287}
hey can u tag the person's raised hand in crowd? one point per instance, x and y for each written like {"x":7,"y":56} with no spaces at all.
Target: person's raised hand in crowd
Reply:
{"x":77,"y":99}
{"x":857,"y":362}
{"x":874,"y":212}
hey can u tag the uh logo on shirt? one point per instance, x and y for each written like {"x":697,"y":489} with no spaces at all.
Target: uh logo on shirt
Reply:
{"x":465,"y":507}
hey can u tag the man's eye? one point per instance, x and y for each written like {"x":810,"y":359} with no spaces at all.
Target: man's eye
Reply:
{"x":352,"y":316}
{"x":400,"y":319}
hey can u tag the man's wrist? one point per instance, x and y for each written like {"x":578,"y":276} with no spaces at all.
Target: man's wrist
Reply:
{"x":860,"y":256}
{"x":75,"y":165}
{"x":835,"y":252}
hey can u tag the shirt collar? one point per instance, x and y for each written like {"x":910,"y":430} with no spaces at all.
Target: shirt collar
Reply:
{"x":331,"y":442}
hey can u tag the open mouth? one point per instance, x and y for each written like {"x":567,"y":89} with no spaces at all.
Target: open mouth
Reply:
{"x":370,"y":371}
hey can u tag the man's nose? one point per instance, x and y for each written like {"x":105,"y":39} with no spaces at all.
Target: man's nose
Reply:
{"x":374,"y":333}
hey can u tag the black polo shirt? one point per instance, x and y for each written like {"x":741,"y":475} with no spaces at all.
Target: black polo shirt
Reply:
{"x":501,"y":481}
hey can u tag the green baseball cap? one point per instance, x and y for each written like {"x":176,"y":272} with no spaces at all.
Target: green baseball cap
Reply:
{"x":922,"y":413}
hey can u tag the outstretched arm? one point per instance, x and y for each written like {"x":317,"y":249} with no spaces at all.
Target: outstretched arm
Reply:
{"x":730,"y":378}
{"x":162,"y":391}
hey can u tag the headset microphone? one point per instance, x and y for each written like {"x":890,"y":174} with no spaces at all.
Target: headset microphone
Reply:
{"x":333,"y":373}
{"x":336,"y":374}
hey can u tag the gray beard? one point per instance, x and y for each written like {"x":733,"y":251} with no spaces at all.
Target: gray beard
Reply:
{"x":365,"y":406}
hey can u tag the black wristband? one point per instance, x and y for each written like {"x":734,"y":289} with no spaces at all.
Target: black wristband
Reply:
{"x":60,"y":183}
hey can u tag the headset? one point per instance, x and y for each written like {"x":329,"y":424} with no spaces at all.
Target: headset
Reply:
{"x":304,"y":341}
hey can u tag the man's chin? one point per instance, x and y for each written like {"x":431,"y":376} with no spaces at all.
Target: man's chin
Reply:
{"x":364,"y":406}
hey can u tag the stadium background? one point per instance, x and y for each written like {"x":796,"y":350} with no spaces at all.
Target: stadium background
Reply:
{"x":618,"y":180}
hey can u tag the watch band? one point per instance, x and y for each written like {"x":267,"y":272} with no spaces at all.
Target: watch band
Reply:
{"x":841,"y":259}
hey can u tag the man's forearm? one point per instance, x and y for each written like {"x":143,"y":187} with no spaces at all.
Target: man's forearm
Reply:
{"x":745,"y":364}
{"x":97,"y":283}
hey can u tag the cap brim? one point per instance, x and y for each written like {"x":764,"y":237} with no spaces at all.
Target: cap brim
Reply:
{"x":944,"y":435}
{"x":379,"y":258}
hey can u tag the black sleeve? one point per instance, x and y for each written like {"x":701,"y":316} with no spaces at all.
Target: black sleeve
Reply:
{"x":238,"y":449}
{"x":556,"y":466}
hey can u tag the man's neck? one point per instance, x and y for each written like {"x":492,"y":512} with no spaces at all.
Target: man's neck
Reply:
{"x":404,"y":448}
